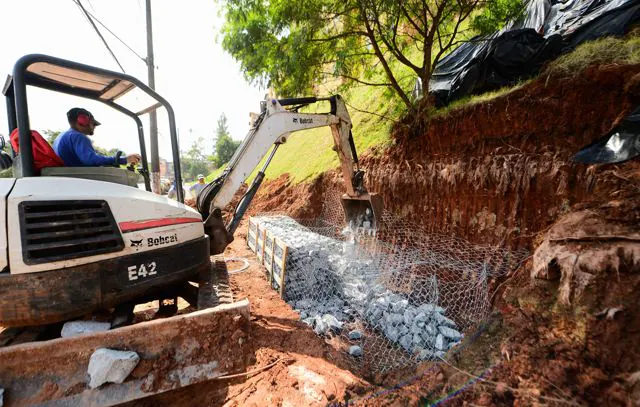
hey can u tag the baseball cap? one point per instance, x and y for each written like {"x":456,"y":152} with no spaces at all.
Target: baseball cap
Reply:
{"x":72,"y":115}
{"x":200,"y":176}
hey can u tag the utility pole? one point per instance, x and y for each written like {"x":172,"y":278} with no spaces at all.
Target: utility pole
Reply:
{"x":153,"y":118}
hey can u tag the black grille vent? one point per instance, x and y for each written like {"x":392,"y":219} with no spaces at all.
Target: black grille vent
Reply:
{"x":60,"y":230}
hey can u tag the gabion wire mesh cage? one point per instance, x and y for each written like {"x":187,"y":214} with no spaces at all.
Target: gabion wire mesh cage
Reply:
{"x":390,"y":298}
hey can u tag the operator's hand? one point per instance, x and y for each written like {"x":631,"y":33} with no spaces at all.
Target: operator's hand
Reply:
{"x":133,"y":158}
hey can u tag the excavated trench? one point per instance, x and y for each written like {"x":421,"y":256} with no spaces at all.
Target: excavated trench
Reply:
{"x":500,"y":173}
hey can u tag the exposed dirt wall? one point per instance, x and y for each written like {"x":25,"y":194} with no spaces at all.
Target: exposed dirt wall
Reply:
{"x":499,"y":172}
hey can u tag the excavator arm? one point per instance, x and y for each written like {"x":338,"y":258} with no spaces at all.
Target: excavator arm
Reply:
{"x":269,"y":131}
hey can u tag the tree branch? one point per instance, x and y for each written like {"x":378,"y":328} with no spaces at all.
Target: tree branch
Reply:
{"x":352,"y":78}
{"x":413,"y":23}
{"x":383,"y":61}
{"x":339,"y":36}
{"x":392,"y":47}
{"x":368,"y":112}
{"x":461,"y":17}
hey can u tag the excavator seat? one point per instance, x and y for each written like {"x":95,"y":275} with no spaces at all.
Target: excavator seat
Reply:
{"x":43,"y":154}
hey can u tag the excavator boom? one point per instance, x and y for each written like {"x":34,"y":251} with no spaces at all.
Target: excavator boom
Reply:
{"x":270,"y":130}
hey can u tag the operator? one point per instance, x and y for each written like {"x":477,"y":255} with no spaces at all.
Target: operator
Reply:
{"x":75,"y":148}
{"x":198,"y":186}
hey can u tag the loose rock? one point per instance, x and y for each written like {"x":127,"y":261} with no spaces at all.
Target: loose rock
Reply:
{"x":110,"y":366}
{"x":332,"y":323}
{"x":76,"y":328}
{"x":344,"y":287}
{"x":450,"y":333}
{"x":355,"y":335}
{"x":355,"y":351}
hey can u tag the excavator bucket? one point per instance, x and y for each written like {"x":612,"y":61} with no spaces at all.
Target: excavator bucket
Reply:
{"x":364,"y":211}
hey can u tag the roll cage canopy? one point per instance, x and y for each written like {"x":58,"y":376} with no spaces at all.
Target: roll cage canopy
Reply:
{"x":73,"y":78}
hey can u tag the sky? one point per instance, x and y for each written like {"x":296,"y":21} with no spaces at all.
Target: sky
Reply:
{"x":193,"y":72}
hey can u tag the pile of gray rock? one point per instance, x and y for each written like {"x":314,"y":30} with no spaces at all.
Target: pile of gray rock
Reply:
{"x":331,"y":283}
{"x":423,"y":330}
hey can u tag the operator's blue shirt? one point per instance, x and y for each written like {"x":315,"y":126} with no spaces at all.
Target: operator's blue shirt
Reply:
{"x":76,"y":150}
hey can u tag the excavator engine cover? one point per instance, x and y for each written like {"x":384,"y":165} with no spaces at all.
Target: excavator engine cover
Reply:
{"x":364,"y":211}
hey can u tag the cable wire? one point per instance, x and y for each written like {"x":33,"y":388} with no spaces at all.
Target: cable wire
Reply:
{"x":104,"y":41}
{"x":118,"y":38}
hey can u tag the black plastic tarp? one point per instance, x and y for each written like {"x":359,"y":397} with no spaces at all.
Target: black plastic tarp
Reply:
{"x":487,"y":65}
{"x":619,"y":145}
{"x":519,"y":51}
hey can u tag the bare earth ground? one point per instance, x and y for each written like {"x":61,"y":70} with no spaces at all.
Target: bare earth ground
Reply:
{"x":294,"y":367}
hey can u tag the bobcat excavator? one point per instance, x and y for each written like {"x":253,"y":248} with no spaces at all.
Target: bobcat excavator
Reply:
{"x":87,"y":243}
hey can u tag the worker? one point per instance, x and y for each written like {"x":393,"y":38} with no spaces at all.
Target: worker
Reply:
{"x":173,"y":191}
{"x":198,"y":186}
{"x":75,"y":148}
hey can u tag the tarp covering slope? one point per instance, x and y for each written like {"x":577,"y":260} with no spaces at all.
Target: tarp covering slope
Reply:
{"x":546,"y":29}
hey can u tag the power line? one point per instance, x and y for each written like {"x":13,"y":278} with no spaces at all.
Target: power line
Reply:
{"x":86,"y":14}
{"x":118,"y":38}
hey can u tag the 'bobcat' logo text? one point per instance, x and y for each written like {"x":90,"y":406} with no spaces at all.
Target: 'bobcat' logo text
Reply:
{"x":161,"y":240}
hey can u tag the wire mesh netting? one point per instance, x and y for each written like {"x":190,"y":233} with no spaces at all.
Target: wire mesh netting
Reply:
{"x":390,"y":298}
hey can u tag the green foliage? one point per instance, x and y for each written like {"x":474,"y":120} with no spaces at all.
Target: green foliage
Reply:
{"x":51,"y":135}
{"x":221,"y":130}
{"x":194,"y":161}
{"x":225,"y":146}
{"x":496,"y":14}
{"x":110,"y":152}
{"x":292,"y":45}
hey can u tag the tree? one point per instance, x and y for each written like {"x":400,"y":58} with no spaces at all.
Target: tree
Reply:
{"x":292,"y":44}
{"x":225,"y":148}
{"x":495,"y":14}
{"x":101,"y":150}
{"x":221,"y":131}
{"x":224,"y":145}
{"x":51,"y":135}
{"x":194,"y":161}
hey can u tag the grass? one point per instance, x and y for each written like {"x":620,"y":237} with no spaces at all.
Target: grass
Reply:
{"x":215,"y":173}
{"x":307,"y":154}
{"x":476,"y":99}
{"x":609,"y":50}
